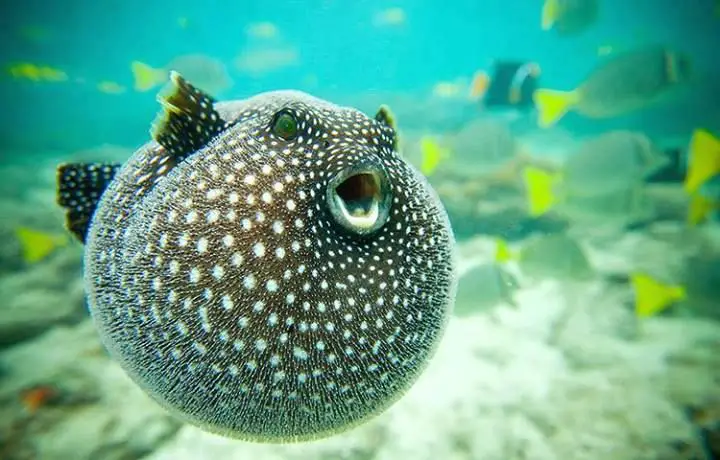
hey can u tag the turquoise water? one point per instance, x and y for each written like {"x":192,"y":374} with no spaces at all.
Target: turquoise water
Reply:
{"x":585,"y":331}
{"x":337,"y":44}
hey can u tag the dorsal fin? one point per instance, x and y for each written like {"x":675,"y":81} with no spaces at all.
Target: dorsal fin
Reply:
{"x":188,"y":120}
{"x":385,"y":116}
{"x":79,"y":187}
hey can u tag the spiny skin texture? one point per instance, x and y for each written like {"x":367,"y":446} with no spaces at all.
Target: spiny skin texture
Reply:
{"x":227,"y":290}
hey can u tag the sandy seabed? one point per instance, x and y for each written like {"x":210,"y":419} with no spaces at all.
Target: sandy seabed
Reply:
{"x":566,"y":373}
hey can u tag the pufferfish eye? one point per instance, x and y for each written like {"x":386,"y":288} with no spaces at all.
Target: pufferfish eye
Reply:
{"x":285,"y":125}
{"x":359,"y":198}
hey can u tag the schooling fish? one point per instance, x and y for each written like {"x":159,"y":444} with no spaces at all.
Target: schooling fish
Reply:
{"x":268,"y":269}
{"x":627,"y":82}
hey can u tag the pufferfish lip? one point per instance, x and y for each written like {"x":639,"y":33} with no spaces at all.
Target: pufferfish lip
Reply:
{"x":264,"y":289}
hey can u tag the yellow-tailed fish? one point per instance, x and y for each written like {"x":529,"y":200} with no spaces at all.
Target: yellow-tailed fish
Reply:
{"x":110,"y":87}
{"x":479,"y":85}
{"x":484,"y":287}
{"x":652,"y":296}
{"x":699,"y":208}
{"x":602,"y":175}
{"x":37,"y":73}
{"x":432,"y":155}
{"x":503,"y":253}
{"x":207,"y":73}
{"x":147,"y":77}
{"x":625,"y":82}
{"x":555,"y":256}
{"x":569,"y":17}
{"x":550,"y":11}
{"x":540,"y":189}
{"x":37,"y":245}
{"x":703,"y":160}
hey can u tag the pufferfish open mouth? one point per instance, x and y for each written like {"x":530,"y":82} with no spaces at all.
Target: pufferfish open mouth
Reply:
{"x":359,"y":198}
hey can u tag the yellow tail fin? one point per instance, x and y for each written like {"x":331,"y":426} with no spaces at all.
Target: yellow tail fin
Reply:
{"x":651,"y":296}
{"x":503,"y":253}
{"x":704,"y":160}
{"x":432,"y":155}
{"x":146,"y":77}
{"x":38,"y":245}
{"x":539,"y":188}
{"x":550,"y":11}
{"x":552,"y":105}
{"x":479,"y":85}
{"x":699,"y":209}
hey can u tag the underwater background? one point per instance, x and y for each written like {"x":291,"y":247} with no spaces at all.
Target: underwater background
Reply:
{"x":574,"y":144}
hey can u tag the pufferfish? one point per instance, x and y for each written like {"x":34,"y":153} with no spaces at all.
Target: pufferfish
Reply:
{"x":269,"y":269}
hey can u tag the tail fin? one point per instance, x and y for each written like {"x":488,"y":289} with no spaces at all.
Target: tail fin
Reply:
{"x":503,"y":253}
{"x":432,"y":155}
{"x":146,"y":77}
{"x":79,"y":187}
{"x":704,"y":160}
{"x":549,"y":14}
{"x":699,"y":209}
{"x":539,"y":187}
{"x":552,"y":105}
{"x":37,"y":245}
{"x":479,"y":86}
{"x":651,"y":296}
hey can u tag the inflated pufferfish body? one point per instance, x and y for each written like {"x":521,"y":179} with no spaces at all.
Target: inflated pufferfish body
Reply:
{"x":268,"y":269}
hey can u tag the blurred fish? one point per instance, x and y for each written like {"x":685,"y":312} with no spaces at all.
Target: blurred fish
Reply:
{"x":611,"y":210}
{"x":611,"y":162}
{"x":702,"y":181}
{"x":256,"y":61}
{"x":207,"y":73}
{"x":511,"y":84}
{"x":483,"y":287}
{"x":183,"y":22}
{"x":652,"y":296}
{"x":34,"y":72}
{"x":703,"y":159}
{"x":622,"y":209}
{"x":556,"y":256}
{"x":110,"y":87}
{"x":432,"y":155}
{"x":37,"y":245}
{"x":624,"y":83}
{"x":569,"y":17}
{"x":482,"y":147}
{"x":448,"y":89}
{"x":698,"y":288}
{"x":704,"y":202}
